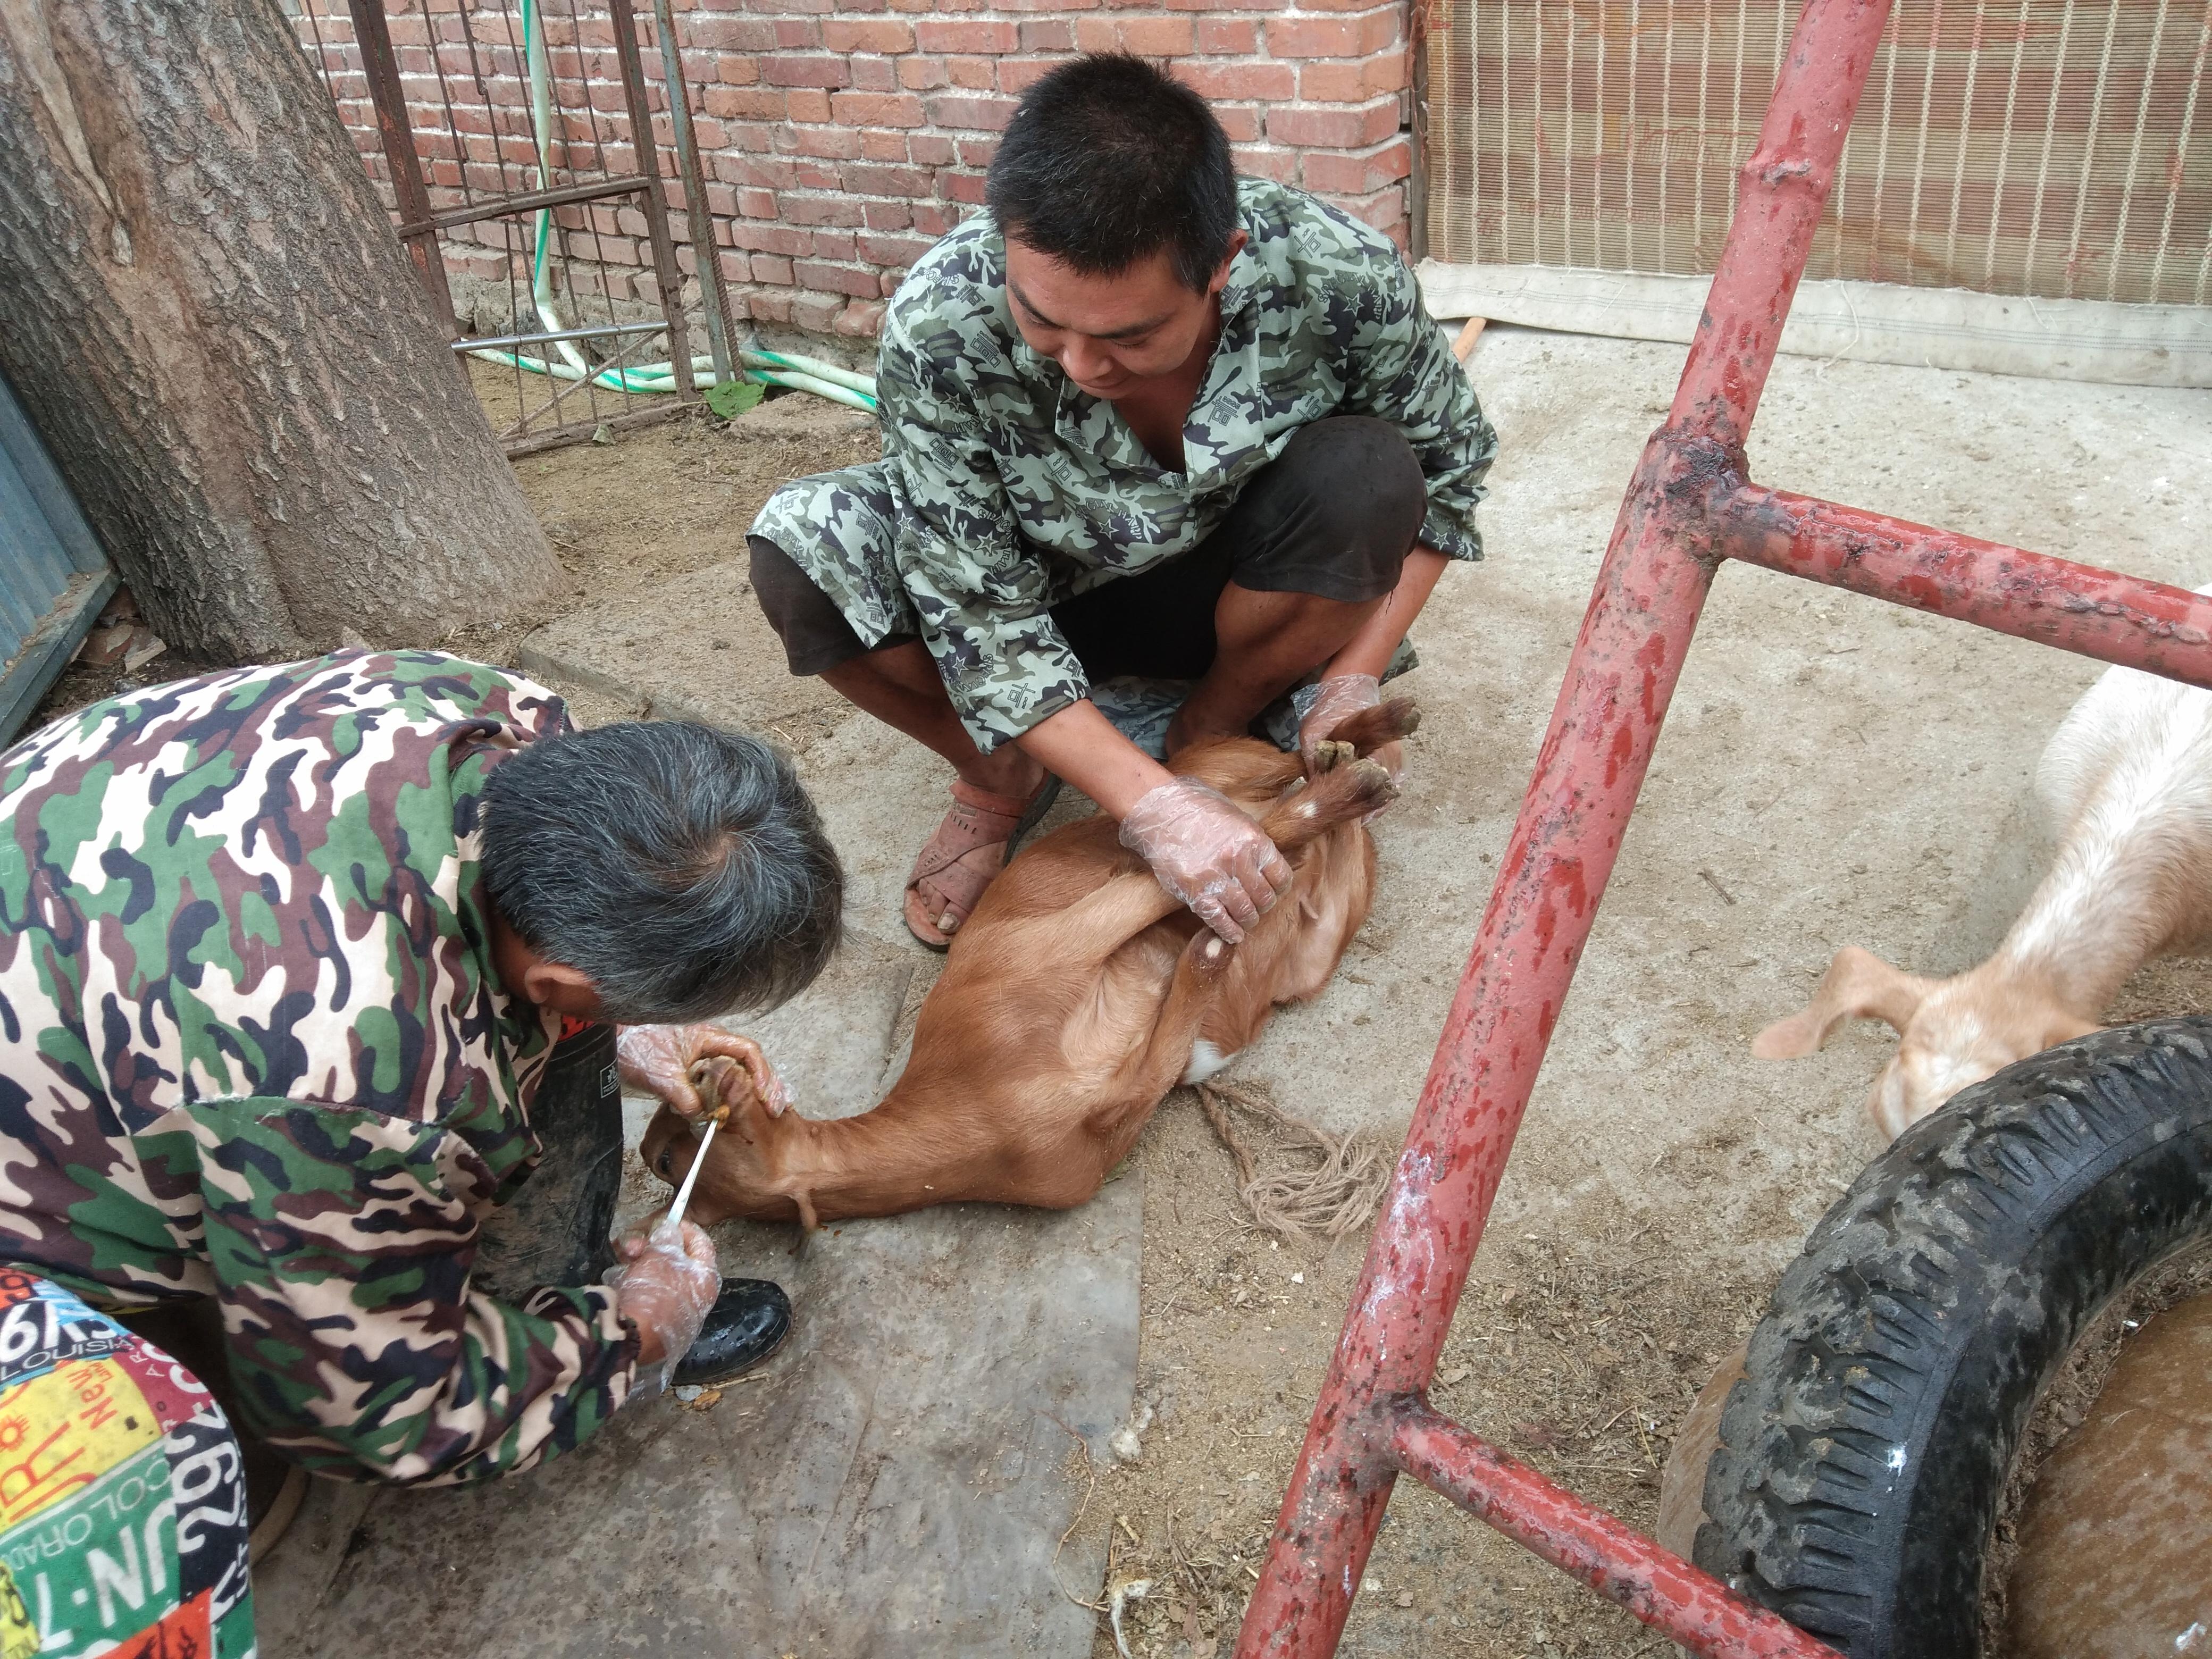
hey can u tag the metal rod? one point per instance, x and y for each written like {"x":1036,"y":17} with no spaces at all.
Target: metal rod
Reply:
{"x":499,"y":342}
{"x":1651,"y":591}
{"x":580,"y":431}
{"x":528,"y":201}
{"x":706,"y":258}
{"x":667,"y":277}
{"x":2032,"y":596}
{"x":381,"y":69}
{"x":1666,"y":1592}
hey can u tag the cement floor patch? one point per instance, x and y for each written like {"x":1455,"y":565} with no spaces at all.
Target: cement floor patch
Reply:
{"x":896,"y":1482}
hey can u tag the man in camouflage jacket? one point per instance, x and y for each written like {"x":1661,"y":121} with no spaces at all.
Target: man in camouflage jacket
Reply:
{"x":1141,"y":418}
{"x":266,"y":1037}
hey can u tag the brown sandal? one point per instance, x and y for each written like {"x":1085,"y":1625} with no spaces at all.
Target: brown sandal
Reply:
{"x":968,"y":847}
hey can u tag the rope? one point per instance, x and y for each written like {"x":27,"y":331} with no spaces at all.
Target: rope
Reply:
{"x":1330,"y":1189}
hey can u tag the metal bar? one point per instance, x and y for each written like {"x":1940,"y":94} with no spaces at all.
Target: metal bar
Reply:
{"x":1635,"y":635}
{"x":1666,"y":1592}
{"x":499,"y":342}
{"x":578,"y":432}
{"x":2032,"y":596}
{"x":529,"y":201}
{"x":382,"y":70}
{"x":666,"y":276}
{"x":520,"y":426}
{"x":706,"y":258}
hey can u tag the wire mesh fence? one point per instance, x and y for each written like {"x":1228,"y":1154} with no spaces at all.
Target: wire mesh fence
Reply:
{"x":2024,"y":147}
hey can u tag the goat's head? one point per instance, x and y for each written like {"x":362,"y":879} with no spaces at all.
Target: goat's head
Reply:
{"x":1951,"y":1033}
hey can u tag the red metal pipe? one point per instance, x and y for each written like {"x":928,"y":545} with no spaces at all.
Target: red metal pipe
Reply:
{"x":1634,"y":637}
{"x":1663,"y":1591}
{"x":2076,"y":607}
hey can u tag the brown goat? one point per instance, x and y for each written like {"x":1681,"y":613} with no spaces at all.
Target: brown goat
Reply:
{"x":1073,"y":998}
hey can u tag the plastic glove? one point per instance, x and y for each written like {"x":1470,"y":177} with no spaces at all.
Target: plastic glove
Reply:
{"x":664,"y":1284}
{"x":1336,"y":699}
{"x":657,"y":1059}
{"x":1206,"y":851}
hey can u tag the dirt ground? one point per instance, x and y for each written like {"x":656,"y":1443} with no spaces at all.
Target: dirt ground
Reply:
{"x":1618,"y":1269}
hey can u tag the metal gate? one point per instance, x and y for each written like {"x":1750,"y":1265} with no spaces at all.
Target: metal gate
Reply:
{"x":2048,"y":147}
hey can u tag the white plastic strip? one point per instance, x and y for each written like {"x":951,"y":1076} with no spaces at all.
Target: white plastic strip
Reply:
{"x":2098,"y":340}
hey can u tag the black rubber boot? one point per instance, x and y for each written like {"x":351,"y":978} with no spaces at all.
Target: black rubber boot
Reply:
{"x":555,"y":1228}
{"x":747,"y":1323}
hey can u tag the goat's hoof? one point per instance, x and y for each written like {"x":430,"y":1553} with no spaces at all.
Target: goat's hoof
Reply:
{"x":1329,"y":754}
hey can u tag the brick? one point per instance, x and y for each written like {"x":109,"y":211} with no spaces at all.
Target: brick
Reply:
{"x":1333,"y":126}
{"x":1019,"y":74}
{"x":1334,"y":83}
{"x":1385,"y":209}
{"x":1281,"y":166}
{"x":818,"y":311}
{"x":973,"y":74}
{"x":1355,"y":175}
{"x":879,"y":145}
{"x":1148,"y":36}
{"x":797,"y":34}
{"x":922,"y":74}
{"x":981,"y":114}
{"x":736,"y":268}
{"x":802,"y":209}
{"x":1240,"y":122}
{"x":882,"y":35}
{"x":830,"y":143}
{"x":1268,"y":81}
{"x":842,"y":245}
{"x":977,"y":152}
{"x":886,"y":216}
{"x":810,"y":174}
{"x":1332,"y":37}
{"x":966,"y":187}
{"x":808,"y":104}
{"x":966,"y":35}
{"x":877,"y":109}
{"x":1229,"y":36}
{"x":895,"y":250}
{"x":743,"y":104}
{"x":1051,"y":34}
{"x":769,"y":307}
{"x":801,"y":71}
{"x":769,"y":172}
{"x":771,"y":268}
{"x":861,"y":318}
{"x":758,"y":238}
{"x":754,"y":204}
{"x":862,"y":180}
{"x":932,"y":219}
{"x":930,"y":149}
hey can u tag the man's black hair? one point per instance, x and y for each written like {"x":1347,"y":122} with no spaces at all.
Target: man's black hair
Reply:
{"x":1108,"y":161}
{"x":682,"y":868}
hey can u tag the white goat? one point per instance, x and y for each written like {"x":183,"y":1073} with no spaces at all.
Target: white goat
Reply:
{"x":2127,"y":781}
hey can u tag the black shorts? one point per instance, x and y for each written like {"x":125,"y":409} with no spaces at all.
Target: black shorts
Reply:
{"x":1333,"y":515}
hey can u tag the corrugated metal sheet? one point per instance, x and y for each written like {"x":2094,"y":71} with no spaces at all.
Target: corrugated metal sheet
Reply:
{"x":2028,"y":147}
{"x":53,"y":576}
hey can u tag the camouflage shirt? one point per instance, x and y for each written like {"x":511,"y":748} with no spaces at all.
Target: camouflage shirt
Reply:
{"x":1013,"y":489}
{"x":253,"y":1046}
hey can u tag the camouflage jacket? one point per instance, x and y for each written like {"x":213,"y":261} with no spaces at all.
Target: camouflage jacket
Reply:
{"x":1014,"y":489}
{"x":251,"y":1046}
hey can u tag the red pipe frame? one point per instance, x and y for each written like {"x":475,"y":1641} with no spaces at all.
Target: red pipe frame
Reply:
{"x":1688,"y":507}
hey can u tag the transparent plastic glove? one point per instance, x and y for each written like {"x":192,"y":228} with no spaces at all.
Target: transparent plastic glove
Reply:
{"x":665,"y":1285}
{"x":657,"y":1059}
{"x":1337,"y":698}
{"x":1208,"y":854}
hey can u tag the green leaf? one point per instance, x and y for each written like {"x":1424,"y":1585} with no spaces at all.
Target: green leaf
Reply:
{"x":733,"y":397}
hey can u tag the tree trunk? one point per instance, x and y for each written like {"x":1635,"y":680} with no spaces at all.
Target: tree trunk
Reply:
{"x":205,"y":311}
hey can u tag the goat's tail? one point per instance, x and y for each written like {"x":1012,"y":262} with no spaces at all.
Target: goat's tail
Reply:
{"x":1344,"y":793}
{"x":1372,"y":728}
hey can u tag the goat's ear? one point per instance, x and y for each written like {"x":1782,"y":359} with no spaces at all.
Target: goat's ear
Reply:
{"x":1858,"y":983}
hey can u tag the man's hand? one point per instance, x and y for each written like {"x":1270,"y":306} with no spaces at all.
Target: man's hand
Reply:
{"x":1209,"y":854}
{"x":664,"y":1284}
{"x":657,"y":1059}
{"x":1337,"y":699}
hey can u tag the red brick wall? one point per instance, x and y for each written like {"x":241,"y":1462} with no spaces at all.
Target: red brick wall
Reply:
{"x":840,"y":137}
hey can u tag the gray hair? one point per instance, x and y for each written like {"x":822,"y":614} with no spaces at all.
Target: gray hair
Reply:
{"x":682,"y":868}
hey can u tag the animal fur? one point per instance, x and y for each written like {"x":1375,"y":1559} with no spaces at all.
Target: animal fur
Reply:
{"x":2127,"y":782}
{"x":1073,"y":998}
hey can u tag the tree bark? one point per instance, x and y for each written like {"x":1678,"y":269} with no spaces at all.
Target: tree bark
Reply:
{"x":205,"y":311}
